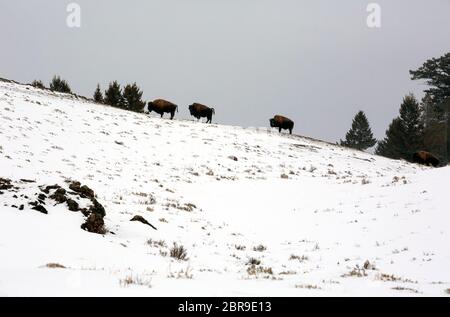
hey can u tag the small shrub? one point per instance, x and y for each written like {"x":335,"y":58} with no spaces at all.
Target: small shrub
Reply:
{"x":255,"y":270}
{"x":38,"y":84}
{"x":240,"y":247}
{"x":253,"y":261}
{"x":178,"y":252}
{"x":135,"y":280}
{"x":355,"y":272}
{"x":60,"y":85}
{"x":301,"y":258}
{"x":259,"y":248}
{"x":156,"y":243}
{"x":98,"y":96}
{"x":307,"y":286}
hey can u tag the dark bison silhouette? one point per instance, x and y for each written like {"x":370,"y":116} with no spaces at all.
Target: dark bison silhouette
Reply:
{"x":201,"y":111}
{"x":162,"y":106}
{"x":281,"y":122}
{"x":425,"y":158}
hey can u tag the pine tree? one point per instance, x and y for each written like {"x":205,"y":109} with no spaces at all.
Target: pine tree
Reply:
{"x":38,"y":84}
{"x":436,"y":72}
{"x":435,"y":128}
{"x":98,"y":96}
{"x":405,"y":134}
{"x":59,"y":85}
{"x":132,"y":98}
{"x":393,"y":145}
{"x":113,"y":96}
{"x":360,"y":135}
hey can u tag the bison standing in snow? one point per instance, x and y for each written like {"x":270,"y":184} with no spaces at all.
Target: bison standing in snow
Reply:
{"x":161,"y":106}
{"x":201,"y":111}
{"x":281,"y":122}
{"x":425,"y":158}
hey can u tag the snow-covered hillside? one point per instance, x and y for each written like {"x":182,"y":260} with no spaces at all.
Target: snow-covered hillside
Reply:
{"x":259,"y":213}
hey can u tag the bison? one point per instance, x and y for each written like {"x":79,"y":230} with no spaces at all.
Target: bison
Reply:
{"x":201,"y":111}
{"x":161,"y":106}
{"x":281,"y":122}
{"x":425,"y":158}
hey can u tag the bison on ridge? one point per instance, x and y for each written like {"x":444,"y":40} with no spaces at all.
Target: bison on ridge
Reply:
{"x":281,"y":122}
{"x":161,"y":106}
{"x":201,"y":111}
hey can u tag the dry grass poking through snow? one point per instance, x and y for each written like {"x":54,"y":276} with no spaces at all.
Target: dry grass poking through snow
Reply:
{"x":178,"y":252}
{"x":135,"y":280}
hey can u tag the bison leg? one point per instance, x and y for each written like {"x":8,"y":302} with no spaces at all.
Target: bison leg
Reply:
{"x":162,"y":114}
{"x":290,"y":131}
{"x":279,"y":129}
{"x":208,"y":119}
{"x":172,"y":114}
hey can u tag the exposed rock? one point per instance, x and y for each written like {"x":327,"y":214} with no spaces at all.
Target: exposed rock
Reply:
{"x":42,"y":196}
{"x":84,"y":211}
{"x":94,"y":223}
{"x":5,"y":184}
{"x":83,"y":191}
{"x":40,"y":208}
{"x":87,"y":191}
{"x":59,"y":195}
{"x":75,"y":186}
{"x":284,"y":176}
{"x":97,"y":208}
{"x":48,"y":188}
{"x":143,"y":220}
{"x":232,"y":157}
{"x":72,"y":204}
{"x":27,"y":180}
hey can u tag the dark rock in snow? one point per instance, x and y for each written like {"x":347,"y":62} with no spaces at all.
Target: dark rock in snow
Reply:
{"x":40,"y":208}
{"x":59,"y":195}
{"x":97,"y":208}
{"x":48,"y":188}
{"x":85,"y":212}
{"x":27,"y":180}
{"x":42,"y":197}
{"x":142,"y":219}
{"x":21,"y":207}
{"x":94,"y":223}
{"x":86,"y":191}
{"x":5,"y":184}
{"x":72,"y":204}
{"x":75,"y":186}
{"x":83,"y":191}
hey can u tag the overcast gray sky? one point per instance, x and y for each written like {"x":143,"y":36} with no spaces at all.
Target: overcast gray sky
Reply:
{"x":314,"y":61}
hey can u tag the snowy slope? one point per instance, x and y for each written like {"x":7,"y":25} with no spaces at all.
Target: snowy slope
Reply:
{"x":313,"y":218}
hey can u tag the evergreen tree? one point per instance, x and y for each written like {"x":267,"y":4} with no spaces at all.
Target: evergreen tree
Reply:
{"x":434,"y":122}
{"x":98,"y":96}
{"x":436,"y":72}
{"x":405,"y":134}
{"x":113,"y":96}
{"x":132,"y":96}
{"x":360,"y":135}
{"x":393,"y":145}
{"x":59,"y":85}
{"x":38,"y":84}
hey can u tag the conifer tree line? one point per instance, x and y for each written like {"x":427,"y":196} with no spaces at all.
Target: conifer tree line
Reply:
{"x":420,"y":126}
{"x":128,"y":98}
